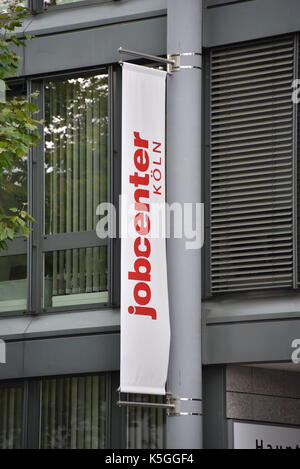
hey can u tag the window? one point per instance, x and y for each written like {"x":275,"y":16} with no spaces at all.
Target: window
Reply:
{"x":11,"y":416}
{"x":64,"y":265}
{"x":252,"y":167}
{"x":5,"y":3}
{"x":13,"y":262}
{"x":145,"y":426}
{"x":74,"y":413}
{"x":76,"y":182}
{"x":13,"y":283}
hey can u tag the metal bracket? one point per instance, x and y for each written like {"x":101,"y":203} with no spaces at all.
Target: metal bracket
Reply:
{"x":169,"y":406}
{"x":175,"y":403}
{"x":174,"y":406}
{"x":175,"y":67}
{"x":183,"y":61}
{"x":154,"y":58}
{"x":185,"y":406}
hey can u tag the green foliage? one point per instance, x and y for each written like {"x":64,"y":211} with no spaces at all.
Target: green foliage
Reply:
{"x":18,"y":130}
{"x":10,"y":20}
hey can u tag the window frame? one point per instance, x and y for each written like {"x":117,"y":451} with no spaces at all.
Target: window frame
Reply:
{"x":20,"y":245}
{"x":22,"y":384}
{"x":39,"y":6}
{"x":40,"y":243}
{"x":32,"y":409}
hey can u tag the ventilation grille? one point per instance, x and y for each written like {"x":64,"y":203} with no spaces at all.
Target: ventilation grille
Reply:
{"x":251,"y":166}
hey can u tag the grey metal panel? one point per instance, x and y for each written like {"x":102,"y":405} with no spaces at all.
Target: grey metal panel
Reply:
{"x":262,"y":408}
{"x":88,"y":322}
{"x":116,"y":108}
{"x":256,"y":19}
{"x":93,"y":47}
{"x":237,"y":308}
{"x":16,"y":247}
{"x":84,"y":16}
{"x":36,"y":189}
{"x":214,"y":407}
{"x":250,"y":20}
{"x":84,"y":354}
{"x":14,"y":358}
{"x":86,"y":239}
{"x":65,"y":355}
{"x":33,"y":390}
{"x":118,"y":424}
{"x":267,"y":382}
{"x":54,"y":325}
{"x":268,"y":341}
{"x":12,"y":328}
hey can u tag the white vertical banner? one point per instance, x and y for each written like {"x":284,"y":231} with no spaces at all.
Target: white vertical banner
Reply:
{"x":145,"y":323}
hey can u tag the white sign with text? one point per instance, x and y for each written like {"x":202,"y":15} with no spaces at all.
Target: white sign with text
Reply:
{"x":145,"y":324}
{"x":254,"y":436}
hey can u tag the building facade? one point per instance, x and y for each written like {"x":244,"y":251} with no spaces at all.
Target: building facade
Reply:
{"x":233,"y":137}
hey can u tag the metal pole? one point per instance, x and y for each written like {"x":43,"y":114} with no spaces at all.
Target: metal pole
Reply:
{"x":184,"y":186}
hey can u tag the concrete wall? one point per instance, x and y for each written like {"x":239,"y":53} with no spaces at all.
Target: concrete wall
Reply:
{"x":263,"y":395}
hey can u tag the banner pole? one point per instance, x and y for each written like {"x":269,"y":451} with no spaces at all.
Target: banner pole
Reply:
{"x":184,"y":186}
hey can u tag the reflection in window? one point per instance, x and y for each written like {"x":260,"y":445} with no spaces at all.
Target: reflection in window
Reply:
{"x":13,"y":187}
{"x":145,"y":426}
{"x":76,"y":277}
{"x":74,"y":413}
{"x":76,"y":140}
{"x":76,"y":135}
{"x":5,"y":3}
{"x":52,"y":3}
{"x":13,"y":283}
{"x":11,"y":410}
{"x":13,"y":193}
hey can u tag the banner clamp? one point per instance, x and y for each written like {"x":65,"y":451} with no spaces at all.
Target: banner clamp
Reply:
{"x":171,"y":405}
{"x":142,"y":55}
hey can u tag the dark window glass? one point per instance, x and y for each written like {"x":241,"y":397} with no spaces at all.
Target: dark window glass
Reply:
{"x":77,"y":276}
{"x":13,"y":283}
{"x":76,"y":138}
{"x":11,"y":411}
{"x":145,"y":426}
{"x":77,"y":172}
{"x":74,"y":413}
{"x":13,"y":187}
{"x":13,"y":194}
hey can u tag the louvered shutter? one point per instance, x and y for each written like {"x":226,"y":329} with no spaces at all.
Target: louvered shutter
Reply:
{"x":251,"y":177}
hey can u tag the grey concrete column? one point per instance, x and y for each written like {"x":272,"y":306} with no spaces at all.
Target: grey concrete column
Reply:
{"x":184,"y":186}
